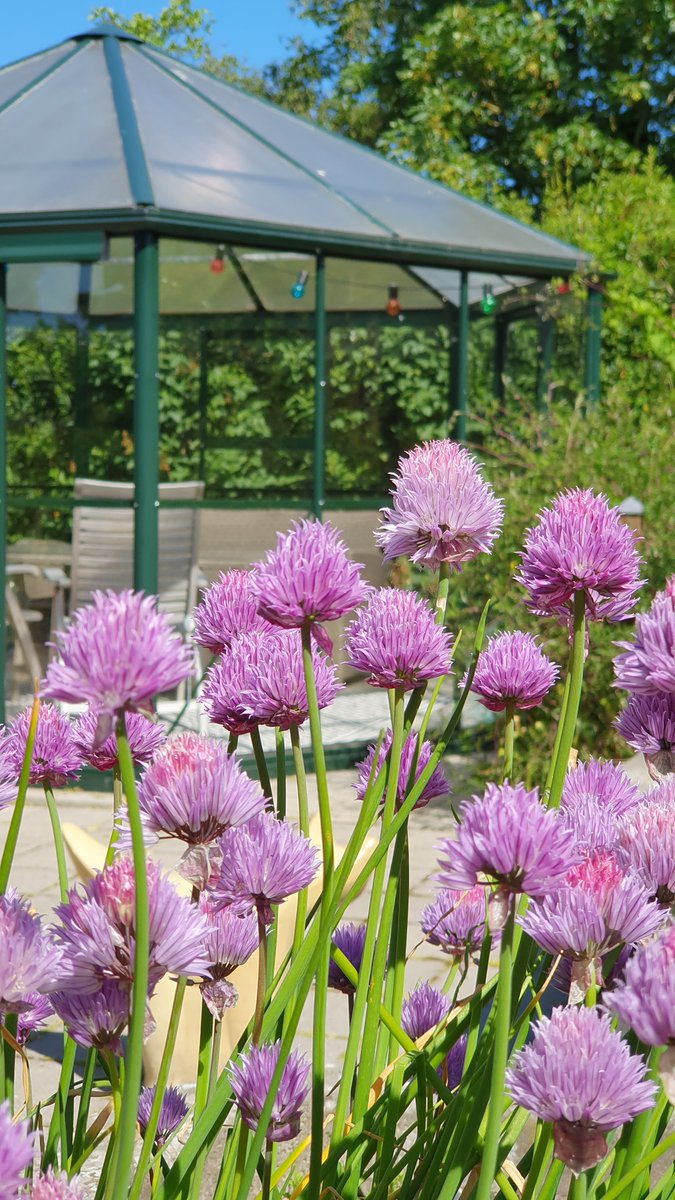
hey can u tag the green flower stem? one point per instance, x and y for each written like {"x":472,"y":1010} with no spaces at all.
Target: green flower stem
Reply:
{"x":133,"y":1061}
{"x":232,"y":743}
{"x":543,"y":1145}
{"x":558,"y":734}
{"x":577,"y":1188}
{"x":8,"y":1060}
{"x":85,"y":1100}
{"x":500,"y":1055}
{"x":569,"y":723}
{"x":303,"y":825}
{"x":267,"y":1171}
{"x":57,"y":1126}
{"x":281,"y":773}
{"x":215,"y":1058}
{"x":399,"y":938}
{"x":365,"y":987}
{"x":206,"y":1030}
{"x":327,"y":845}
{"x":634,"y":1172}
{"x":118,"y":797}
{"x":20,"y":803}
{"x":261,"y":763}
{"x":262,"y":980}
{"x":443,"y":592}
{"x":509,"y":739}
{"x":240,"y":1167}
{"x":59,"y":846}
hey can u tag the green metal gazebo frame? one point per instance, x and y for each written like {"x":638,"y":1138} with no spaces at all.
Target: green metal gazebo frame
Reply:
{"x":104,"y":137}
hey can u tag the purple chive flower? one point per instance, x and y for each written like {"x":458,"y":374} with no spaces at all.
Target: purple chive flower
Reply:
{"x":29,"y":960}
{"x":226,"y":681}
{"x":116,"y":654}
{"x":52,"y":1186}
{"x":456,"y":921}
{"x":644,"y":1000}
{"x":395,"y":640}
{"x":606,"y":784}
{"x":601,"y":907}
{"x":580,"y":1074}
{"x":145,"y":738}
{"x":513,"y":672}
{"x":275,"y":692}
{"x":16,"y":1153}
{"x":308,"y":577}
{"x":32,"y":1019}
{"x":350,"y":939}
{"x":9,"y":779}
{"x":581,"y":545}
{"x":194,"y":790}
{"x":648,"y":665}
{"x":230,"y":941}
{"x":646,"y":840}
{"x":264,"y":861}
{"x":251,"y":1078}
{"x":648,"y":724}
{"x":56,"y":757}
{"x":436,"y":786}
{"x":228,"y":608}
{"x":97,"y":931}
{"x":595,"y":826}
{"x":510,"y":837}
{"x":443,"y":510}
{"x":173,"y":1111}
{"x":423,"y":1010}
{"x":98,"y":1018}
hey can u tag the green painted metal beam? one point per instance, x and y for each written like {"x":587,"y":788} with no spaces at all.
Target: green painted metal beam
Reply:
{"x":41,"y":247}
{"x":132,"y":145}
{"x":545,"y":351}
{"x":593,"y":343}
{"x":462,"y":399}
{"x":501,"y":328}
{"x":320,"y":390}
{"x":146,"y":413}
{"x":3,"y":488}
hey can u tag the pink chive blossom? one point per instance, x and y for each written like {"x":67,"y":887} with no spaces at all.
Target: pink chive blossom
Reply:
{"x":605,"y":783}
{"x":29,"y":959}
{"x":275,"y":692}
{"x":648,"y":725}
{"x":424,"y":1009}
{"x":193,"y":791}
{"x":581,"y":545}
{"x":443,"y":511}
{"x":9,"y":779}
{"x":579,"y":1074}
{"x":648,"y":664}
{"x":56,"y":758}
{"x":350,"y":939}
{"x":646,"y":839}
{"x":456,"y":921}
{"x":230,"y":942}
{"x":97,"y":930}
{"x":33,"y":1018}
{"x":595,"y":826}
{"x":251,"y":1077}
{"x":437,"y":785}
{"x":308,"y":578}
{"x":16,"y":1153}
{"x":173,"y":1111}
{"x":644,"y":1000}
{"x":396,"y":642}
{"x":228,"y":608}
{"x":145,"y":738}
{"x":264,"y":862}
{"x":116,"y":654}
{"x":508,"y":836}
{"x":225,"y":682}
{"x":513,"y":672}
{"x":53,"y":1186}
{"x":98,"y":1018}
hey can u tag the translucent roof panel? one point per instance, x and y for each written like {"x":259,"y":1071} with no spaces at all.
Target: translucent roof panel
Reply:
{"x":401,"y":201}
{"x":19,"y":75}
{"x":48,"y":289}
{"x":187,"y":285}
{"x":201,"y":162}
{"x":447,"y":283}
{"x":351,"y":286}
{"x":60,"y":145}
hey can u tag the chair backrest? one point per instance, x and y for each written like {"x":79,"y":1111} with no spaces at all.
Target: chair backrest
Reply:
{"x":103,"y":545}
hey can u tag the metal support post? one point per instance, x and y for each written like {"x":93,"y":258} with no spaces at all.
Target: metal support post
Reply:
{"x":81,"y":409}
{"x":462,"y":406}
{"x":500,"y":349}
{"x":3,"y":488}
{"x":545,"y":349}
{"x":146,"y":412}
{"x":453,"y":378}
{"x":320,"y":390}
{"x":593,"y":343}
{"x":204,"y":336}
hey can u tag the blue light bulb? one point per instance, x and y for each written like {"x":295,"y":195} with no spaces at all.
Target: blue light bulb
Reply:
{"x":298,"y":289}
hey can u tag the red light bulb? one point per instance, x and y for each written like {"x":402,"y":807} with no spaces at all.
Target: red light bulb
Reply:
{"x":393,"y":307}
{"x":217,"y":265}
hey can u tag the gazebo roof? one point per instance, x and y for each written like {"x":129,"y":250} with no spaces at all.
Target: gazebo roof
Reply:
{"x":106,"y":132}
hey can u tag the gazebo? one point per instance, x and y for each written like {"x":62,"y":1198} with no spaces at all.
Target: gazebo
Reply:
{"x":127,"y":174}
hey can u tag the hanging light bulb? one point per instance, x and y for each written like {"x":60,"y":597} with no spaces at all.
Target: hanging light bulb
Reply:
{"x":489,"y":302}
{"x":218,"y":261}
{"x":298,"y":289}
{"x":393,"y":303}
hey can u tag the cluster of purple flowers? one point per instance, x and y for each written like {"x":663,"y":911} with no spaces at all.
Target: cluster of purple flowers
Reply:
{"x":412,"y":755}
{"x":646,"y":670}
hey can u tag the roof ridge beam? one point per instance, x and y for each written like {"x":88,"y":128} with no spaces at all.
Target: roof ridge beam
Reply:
{"x":132,"y":145}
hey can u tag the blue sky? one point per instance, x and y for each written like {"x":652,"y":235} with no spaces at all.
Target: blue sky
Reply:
{"x":254,"y":30}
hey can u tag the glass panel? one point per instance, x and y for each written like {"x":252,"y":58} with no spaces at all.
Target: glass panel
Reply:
{"x":18,"y":75}
{"x":201,"y":162}
{"x":60,"y":147}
